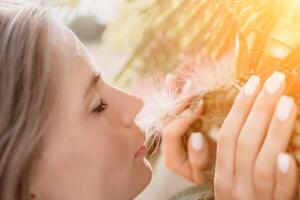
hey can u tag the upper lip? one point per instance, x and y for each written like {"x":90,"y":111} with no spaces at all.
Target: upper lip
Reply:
{"x":141,"y":144}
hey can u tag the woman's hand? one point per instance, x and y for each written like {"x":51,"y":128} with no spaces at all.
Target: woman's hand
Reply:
{"x":252,"y":162}
{"x":186,"y":160}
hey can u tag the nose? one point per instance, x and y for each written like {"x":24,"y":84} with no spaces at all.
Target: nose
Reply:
{"x":133,"y":106}
{"x":139,"y":103}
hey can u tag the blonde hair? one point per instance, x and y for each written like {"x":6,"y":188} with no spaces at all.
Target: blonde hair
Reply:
{"x":26,"y":91}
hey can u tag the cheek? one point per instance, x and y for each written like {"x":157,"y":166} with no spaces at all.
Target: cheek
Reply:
{"x":105,"y":146}
{"x":113,"y":147}
{"x":114,"y":150}
{"x":130,"y":175}
{"x":94,"y":157}
{"x":120,"y":170}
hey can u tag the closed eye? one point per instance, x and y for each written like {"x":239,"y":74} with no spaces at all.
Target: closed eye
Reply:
{"x":101,"y":107}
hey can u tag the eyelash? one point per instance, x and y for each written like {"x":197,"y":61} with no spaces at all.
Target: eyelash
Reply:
{"x":101,"y":107}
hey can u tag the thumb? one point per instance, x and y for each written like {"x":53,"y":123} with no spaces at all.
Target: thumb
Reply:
{"x":198,"y":155}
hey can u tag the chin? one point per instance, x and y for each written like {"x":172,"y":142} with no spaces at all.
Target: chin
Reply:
{"x":142,"y":177}
{"x":145,"y":174}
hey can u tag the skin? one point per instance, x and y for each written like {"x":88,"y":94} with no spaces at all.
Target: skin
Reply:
{"x":250,"y":140}
{"x":90,"y":149}
{"x":248,"y":146}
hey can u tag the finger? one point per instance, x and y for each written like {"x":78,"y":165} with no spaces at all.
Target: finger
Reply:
{"x":286,"y":178}
{"x":255,"y":129}
{"x":228,"y":135}
{"x":174,"y":150}
{"x":276,"y":141}
{"x":198,"y":154}
{"x":185,"y":103}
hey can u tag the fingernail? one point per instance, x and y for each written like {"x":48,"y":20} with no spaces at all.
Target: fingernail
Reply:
{"x":283,"y":161}
{"x":284,"y":108}
{"x":274,"y":83}
{"x":187,"y":87}
{"x":197,"y":141}
{"x":251,"y":85}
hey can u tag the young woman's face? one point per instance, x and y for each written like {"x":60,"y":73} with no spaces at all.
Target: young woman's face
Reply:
{"x":92,"y":148}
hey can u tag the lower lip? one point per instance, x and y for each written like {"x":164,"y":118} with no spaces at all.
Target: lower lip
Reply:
{"x":142,"y":152}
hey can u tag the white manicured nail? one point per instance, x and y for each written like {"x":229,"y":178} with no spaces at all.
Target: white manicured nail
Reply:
{"x":274,"y":83}
{"x":283,"y":162}
{"x":284,"y":108}
{"x":251,"y":85}
{"x":187,"y":87}
{"x":197,"y":141}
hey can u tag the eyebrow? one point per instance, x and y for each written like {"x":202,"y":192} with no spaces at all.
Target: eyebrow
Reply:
{"x":93,"y":80}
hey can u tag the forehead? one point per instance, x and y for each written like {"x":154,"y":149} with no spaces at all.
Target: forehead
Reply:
{"x":71,"y":52}
{"x":75,"y":65}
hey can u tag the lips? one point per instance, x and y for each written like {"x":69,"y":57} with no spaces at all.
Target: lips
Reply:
{"x":142,"y":152}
